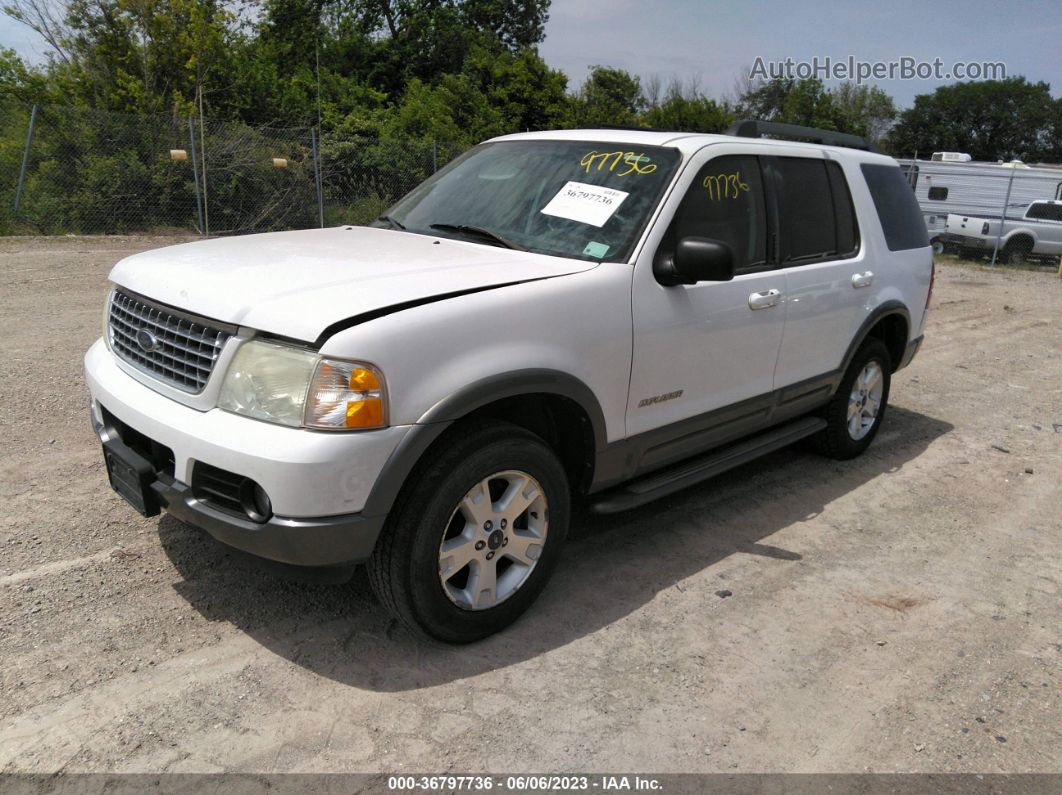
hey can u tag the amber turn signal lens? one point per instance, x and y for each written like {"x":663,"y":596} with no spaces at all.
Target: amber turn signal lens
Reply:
{"x":346,"y":396}
{"x":365,"y":413}
{"x":364,"y":380}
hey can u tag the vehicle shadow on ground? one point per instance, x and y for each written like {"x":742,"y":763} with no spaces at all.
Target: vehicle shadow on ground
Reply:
{"x":613,"y":565}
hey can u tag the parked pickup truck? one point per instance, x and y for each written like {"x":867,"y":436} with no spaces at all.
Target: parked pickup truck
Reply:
{"x":1036,"y":236}
{"x":598,"y":315}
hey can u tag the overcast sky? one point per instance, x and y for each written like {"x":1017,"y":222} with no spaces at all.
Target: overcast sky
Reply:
{"x":715,"y":42}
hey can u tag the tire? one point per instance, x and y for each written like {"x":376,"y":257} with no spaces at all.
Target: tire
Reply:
{"x":1016,"y":254}
{"x":844,"y":438}
{"x":427,"y":589}
{"x":938,"y":246}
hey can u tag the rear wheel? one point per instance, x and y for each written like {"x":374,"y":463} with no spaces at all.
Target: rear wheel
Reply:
{"x":1017,"y":253}
{"x":856,"y":410}
{"x":476,"y":534}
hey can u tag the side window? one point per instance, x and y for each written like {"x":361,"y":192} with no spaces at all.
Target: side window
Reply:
{"x":805,"y":210}
{"x":898,"y":211}
{"x":726,"y":202}
{"x":938,"y":194}
{"x":843,"y":211}
{"x":1046,"y":212}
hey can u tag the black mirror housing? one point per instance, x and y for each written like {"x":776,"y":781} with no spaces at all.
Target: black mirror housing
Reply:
{"x":696,"y":259}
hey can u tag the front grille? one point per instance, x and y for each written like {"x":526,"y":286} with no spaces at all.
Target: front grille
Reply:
{"x":169,"y":345}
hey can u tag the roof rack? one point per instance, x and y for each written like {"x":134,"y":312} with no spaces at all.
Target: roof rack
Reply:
{"x":749,"y":128}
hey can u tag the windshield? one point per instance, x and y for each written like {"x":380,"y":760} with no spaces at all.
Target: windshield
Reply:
{"x":576,"y":199}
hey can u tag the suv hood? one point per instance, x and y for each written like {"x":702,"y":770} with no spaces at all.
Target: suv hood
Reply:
{"x":297,"y":284}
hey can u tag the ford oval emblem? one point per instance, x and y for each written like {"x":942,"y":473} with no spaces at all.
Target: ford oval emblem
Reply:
{"x":147,"y":341}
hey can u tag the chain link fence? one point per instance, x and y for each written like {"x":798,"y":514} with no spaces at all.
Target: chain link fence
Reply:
{"x":73,"y":170}
{"x":1007,"y":213}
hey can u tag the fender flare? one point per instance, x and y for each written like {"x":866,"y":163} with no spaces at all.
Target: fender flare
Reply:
{"x":443,"y":414}
{"x":513,"y":384}
{"x":891,"y":307}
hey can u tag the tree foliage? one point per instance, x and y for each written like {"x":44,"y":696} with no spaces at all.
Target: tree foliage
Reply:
{"x":396,"y":84}
{"x":990,"y":120}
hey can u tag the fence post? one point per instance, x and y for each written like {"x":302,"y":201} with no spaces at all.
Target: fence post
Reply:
{"x":195,"y":177}
{"x":1003,"y":217}
{"x":25,"y":158}
{"x":434,"y":155}
{"x":317,"y":177}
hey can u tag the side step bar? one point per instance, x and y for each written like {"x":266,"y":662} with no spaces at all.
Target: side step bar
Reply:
{"x":688,"y":473}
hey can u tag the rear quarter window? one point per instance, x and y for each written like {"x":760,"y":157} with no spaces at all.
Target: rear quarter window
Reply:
{"x":898,"y":210}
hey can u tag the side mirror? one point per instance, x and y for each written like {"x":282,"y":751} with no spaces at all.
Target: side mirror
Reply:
{"x":696,"y":259}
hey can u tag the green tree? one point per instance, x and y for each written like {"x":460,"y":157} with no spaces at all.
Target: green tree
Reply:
{"x":989,"y":120}
{"x":609,"y":96}
{"x":866,"y":110}
{"x":688,"y":111}
{"x":804,"y":102}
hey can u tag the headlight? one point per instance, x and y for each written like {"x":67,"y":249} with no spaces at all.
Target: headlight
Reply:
{"x":296,"y":387}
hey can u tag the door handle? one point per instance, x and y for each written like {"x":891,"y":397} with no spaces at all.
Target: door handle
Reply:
{"x":764,"y":300}
{"x":864,"y":279}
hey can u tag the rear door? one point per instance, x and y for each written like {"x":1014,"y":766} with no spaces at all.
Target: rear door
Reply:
{"x":828,"y":276}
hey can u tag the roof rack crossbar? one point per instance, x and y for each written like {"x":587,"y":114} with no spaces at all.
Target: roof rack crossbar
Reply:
{"x":749,"y":128}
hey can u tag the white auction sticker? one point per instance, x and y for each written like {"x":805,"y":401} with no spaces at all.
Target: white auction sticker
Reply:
{"x":587,"y":204}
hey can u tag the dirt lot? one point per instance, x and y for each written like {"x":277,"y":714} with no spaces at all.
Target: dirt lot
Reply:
{"x":900,"y":612}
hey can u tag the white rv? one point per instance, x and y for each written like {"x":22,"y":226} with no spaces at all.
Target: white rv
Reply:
{"x":951,"y":182}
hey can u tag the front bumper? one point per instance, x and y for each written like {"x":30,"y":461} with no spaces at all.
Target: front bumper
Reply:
{"x":318,"y":482}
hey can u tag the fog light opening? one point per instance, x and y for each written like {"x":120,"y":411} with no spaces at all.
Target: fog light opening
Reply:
{"x":255,"y":502}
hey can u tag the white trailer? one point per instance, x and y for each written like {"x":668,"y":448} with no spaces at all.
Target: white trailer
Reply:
{"x":952,"y":183}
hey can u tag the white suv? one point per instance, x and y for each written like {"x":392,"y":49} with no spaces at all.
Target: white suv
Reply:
{"x":597,"y":314}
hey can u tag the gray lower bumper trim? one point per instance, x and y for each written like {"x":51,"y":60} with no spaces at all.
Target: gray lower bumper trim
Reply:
{"x":327,"y":541}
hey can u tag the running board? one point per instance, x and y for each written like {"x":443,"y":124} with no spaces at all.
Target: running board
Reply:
{"x":689,"y":473}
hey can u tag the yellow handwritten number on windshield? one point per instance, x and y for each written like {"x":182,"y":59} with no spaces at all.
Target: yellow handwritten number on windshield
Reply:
{"x":629,"y":159}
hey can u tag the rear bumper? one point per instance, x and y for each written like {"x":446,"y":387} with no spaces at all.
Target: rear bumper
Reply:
{"x":966,"y":241}
{"x":909,"y":352}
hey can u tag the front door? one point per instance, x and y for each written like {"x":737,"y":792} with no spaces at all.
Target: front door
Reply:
{"x":702,"y":347}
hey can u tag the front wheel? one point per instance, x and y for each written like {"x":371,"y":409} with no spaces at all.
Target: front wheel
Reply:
{"x":857,"y":408}
{"x":475,"y":535}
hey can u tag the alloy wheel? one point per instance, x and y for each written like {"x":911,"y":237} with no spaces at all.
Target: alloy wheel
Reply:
{"x":493,"y":540}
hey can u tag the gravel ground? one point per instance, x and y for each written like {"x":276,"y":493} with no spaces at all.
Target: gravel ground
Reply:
{"x":899,"y":612}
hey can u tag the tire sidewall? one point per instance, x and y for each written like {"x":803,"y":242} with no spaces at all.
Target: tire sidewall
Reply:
{"x":431,"y":606}
{"x":871,"y":351}
{"x":845,"y":445}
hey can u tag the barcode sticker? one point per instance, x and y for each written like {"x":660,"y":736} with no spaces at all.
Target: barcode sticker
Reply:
{"x":587,"y":204}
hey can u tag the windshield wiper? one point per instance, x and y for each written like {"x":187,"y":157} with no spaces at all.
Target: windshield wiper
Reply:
{"x":389,"y":220}
{"x":480,"y":232}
